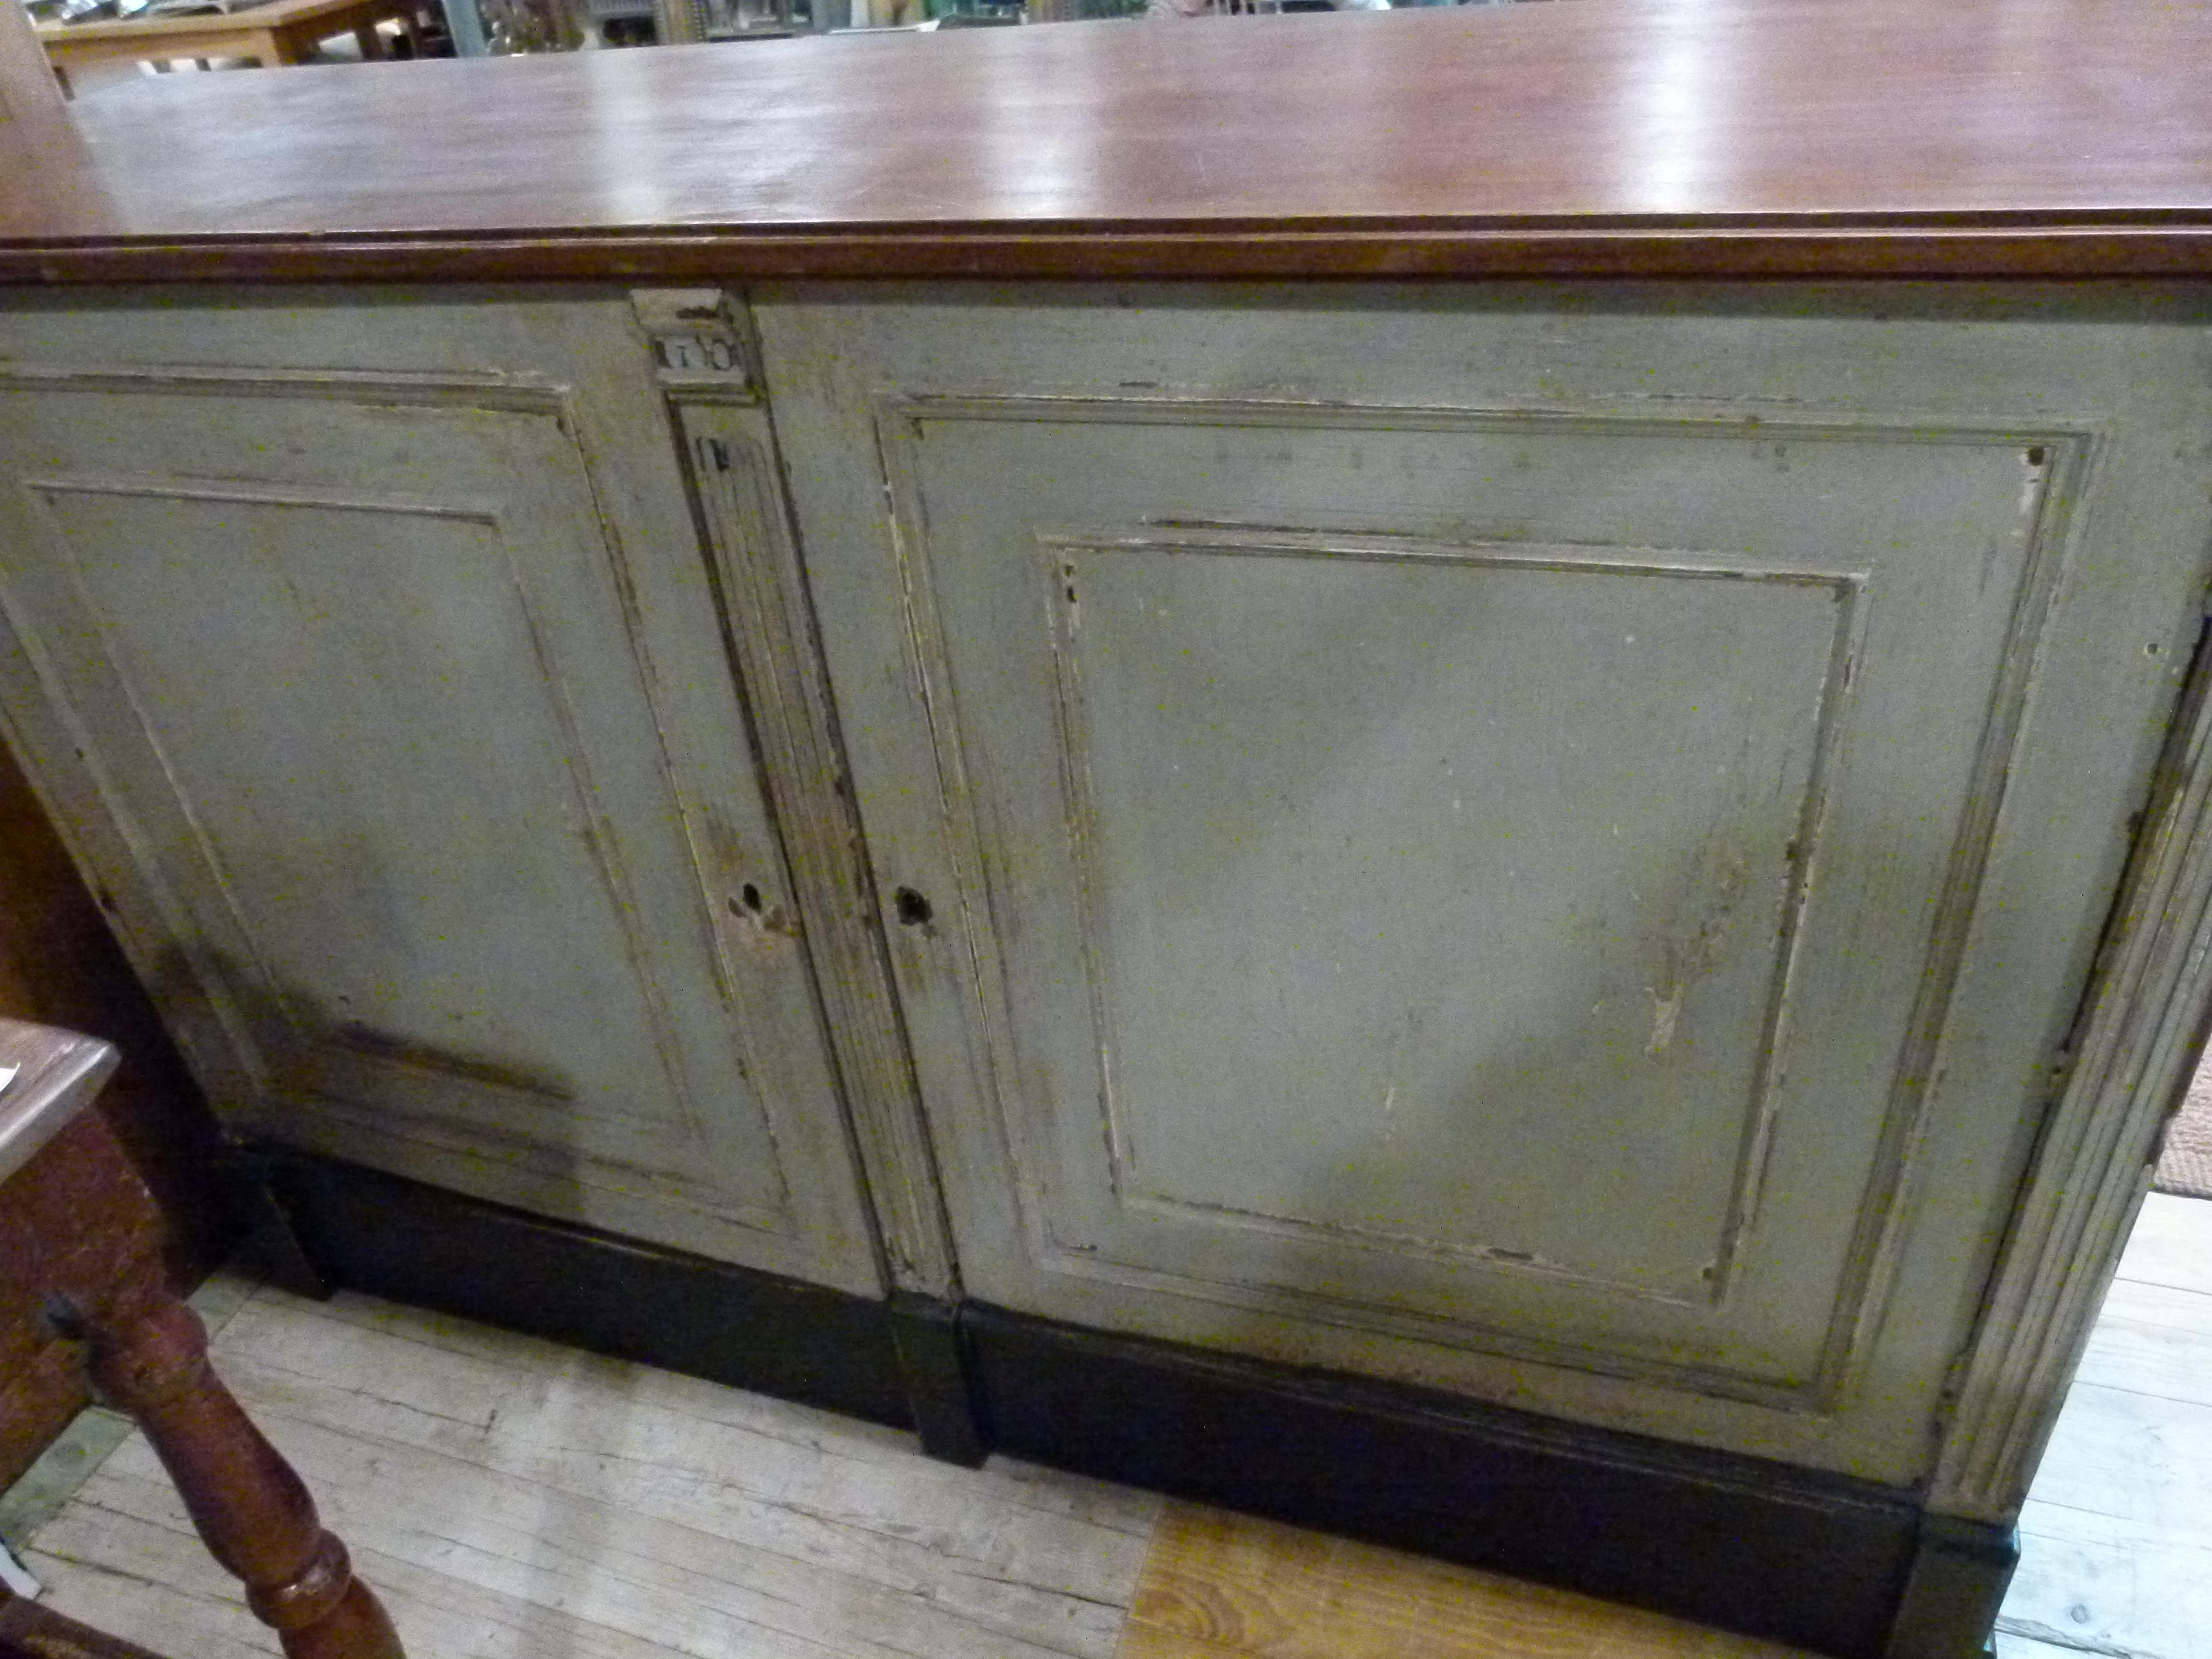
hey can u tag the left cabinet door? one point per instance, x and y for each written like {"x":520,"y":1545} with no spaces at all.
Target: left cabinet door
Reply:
{"x":390,"y":707}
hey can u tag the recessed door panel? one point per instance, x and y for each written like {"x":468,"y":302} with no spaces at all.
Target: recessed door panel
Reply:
{"x":1367,"y":892}
{"x":402,"y":819}
{"x":441,"y":797}
{"x":1448,"y":931}
{"x":1540,"y":844}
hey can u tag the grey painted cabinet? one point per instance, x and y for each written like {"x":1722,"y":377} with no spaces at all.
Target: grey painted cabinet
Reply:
{"x":1541,"y":843}
{"x":368,"y":652}
{"x":1546,"y":843}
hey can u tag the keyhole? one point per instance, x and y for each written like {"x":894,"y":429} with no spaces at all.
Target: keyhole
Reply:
{"x":913,"y":909}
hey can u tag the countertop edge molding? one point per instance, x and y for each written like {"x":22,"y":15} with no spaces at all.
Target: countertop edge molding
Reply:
{"x":2027,"y":251}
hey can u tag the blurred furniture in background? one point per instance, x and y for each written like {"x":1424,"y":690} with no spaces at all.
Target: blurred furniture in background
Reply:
{"x":283,"y":32}
{"x":27,"y":87}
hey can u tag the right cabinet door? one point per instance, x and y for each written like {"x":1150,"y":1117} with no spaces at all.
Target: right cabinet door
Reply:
{"x":1545,"y":845}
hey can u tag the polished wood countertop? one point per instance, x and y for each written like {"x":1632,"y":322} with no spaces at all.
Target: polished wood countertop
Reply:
{"x":2045,"y":138}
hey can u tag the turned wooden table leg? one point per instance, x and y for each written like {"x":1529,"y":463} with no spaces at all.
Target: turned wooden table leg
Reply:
{"x":252,"y":1510}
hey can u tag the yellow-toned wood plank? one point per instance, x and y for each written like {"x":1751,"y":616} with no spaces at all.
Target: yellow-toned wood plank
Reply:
{"x":1151,"y":1642}
{"x":1219,"y":1586}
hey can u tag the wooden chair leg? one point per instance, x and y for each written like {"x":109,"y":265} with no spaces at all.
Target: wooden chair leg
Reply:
{"x":252,"y":1509}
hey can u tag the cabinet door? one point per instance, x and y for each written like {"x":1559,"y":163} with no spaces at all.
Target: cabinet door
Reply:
{"x":1545,"y":847}
{"x":390,"y":704}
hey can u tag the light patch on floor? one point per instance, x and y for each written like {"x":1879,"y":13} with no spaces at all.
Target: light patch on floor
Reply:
{"x":1220,"y":1585}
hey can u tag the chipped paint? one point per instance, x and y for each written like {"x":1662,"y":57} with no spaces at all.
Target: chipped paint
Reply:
{"x":1722,"y":874}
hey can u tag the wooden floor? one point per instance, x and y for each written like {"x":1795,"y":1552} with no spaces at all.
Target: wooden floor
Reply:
{"x":2116,"y":1542}
{"x":512,"y":1499}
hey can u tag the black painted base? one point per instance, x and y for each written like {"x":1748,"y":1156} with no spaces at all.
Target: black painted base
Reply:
{"x":927,"y":1332}
{"x":1841,"y":1566}
{"x":1950,"y":1603}
{"x":411,"y":1243}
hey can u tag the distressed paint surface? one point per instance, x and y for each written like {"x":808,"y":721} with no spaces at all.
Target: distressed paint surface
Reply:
{"x":2006,"y":488}
{"x":1352,"y":849}
{"x":1647,"y":1005}
{"x":433,"y":769}
{"x":1181,"y":571}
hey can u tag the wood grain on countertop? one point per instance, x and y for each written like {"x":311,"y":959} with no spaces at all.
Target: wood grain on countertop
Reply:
{"x":1680,"y":137}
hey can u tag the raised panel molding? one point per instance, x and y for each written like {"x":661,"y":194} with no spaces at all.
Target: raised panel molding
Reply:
{"x":524,"y":392}
{"x":323,"y":1055}
{"x":325,"y":1048}
{"x":1061,"y":577}
{"x":2056,"y":464}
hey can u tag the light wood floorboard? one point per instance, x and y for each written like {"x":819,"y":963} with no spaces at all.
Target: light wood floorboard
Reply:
{"x":513,"y":1498}
{"x":516,"y":1500}
{"x":2171,"y":1244}
{"x":2116,"y":1541}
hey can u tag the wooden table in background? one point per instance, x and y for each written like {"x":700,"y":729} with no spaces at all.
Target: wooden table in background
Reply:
{"x":283,"y":32}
